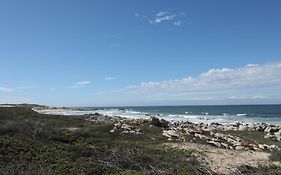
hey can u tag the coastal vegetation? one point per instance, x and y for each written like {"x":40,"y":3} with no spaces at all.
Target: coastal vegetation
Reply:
{"x":33,"y":143}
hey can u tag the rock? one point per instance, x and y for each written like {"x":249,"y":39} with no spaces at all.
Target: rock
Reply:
{"x":251,"y":127}
{"x":219,"y":136}
{"x":193,"y":130}
{"x":216,"y":124}
{"x":127,"y":127}
{"x":261,"y":146}
{"x":159,"y":123}
{"x":272,"y":147}
{"x":271,"y":129}
{"x":217,"y":144}
{"x":224,"y":145}
{"x":278,"y":135}
{"x":269,"y":136}
{"x":170,"y":133}
{"x":242,"y":127}
{"x":201,"y":136}
{"x":256,"y":149}
{"x":239,"y":147}
{"x":118,"y":125}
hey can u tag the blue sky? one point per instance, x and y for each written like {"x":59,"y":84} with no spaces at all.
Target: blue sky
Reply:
{"x":129,"y":52}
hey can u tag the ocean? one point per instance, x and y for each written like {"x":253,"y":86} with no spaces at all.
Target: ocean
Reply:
{"x":223,"y":114}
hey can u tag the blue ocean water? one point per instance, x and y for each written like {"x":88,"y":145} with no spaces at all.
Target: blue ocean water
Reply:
{"x":210,"y":113}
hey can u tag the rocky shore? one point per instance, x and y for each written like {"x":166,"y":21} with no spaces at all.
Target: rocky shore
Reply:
{"x":223,"y":149}
{"x":101,"y":144}
{"x":197,"y":132}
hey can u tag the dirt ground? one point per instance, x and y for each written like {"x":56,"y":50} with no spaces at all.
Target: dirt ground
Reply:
{"x":224,"y":161}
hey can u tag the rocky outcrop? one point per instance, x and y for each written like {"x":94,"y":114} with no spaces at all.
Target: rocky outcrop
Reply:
{"x":216,"y":139}
{"x":196,"y":132}
{"x":125,"y":129}
{"x":159,"y":122}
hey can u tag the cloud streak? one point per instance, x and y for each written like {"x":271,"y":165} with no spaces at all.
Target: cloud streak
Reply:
{"x":159,"y":19}
{"x":83,"y":82}
{"x":109,"y":78}
{"x":80,"y":84}
{"x":6,"y":90}
{"x":175,"y":19}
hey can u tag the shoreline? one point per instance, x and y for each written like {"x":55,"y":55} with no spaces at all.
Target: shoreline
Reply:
{"x":175,"y":128}
{"x":220,"y":149}
{"x":82,"y":112}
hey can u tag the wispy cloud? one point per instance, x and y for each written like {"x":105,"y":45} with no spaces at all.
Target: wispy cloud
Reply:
{"x":177,"y":23}
{"x":159,"y":19}
{"x":83,"y":82}
{"x":99,"y":93}
{"x":167,"y":16}
{"x":109,"y":78}
{"x":5,"y":89}
{"x":259,"y":79}
{"x":162,"y":13}
{"x":80,"y":84}
{"x":25,"y":87}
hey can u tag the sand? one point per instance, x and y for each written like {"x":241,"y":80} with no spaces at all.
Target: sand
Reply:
{"x":224,"y":161}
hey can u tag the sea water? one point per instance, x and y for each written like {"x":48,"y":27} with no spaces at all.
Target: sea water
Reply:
{"x":223,"y":114}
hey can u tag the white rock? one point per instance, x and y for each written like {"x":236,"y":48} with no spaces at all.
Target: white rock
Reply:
{"x":170,"y":133}
{"x":261,"y":146}
{"x":239,"y":147}
{"x":214,"y":143}
{"x":126,"y":127}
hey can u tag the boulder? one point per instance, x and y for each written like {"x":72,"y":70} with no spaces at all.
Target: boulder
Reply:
{"x":127,"y":127}
{"x":193,"y":130}
{"x":239,"y":147}
{"x":261,"y":146}
{"x":217,"y":144}
{"x":242,"y":127}
{"x":159,"y":122}
{"x":278,"y":136}
{"x":170,"y":133}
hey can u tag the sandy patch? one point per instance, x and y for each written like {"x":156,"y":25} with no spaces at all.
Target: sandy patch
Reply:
{"x":224,"y":161}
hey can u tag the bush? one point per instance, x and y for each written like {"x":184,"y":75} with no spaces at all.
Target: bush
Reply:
{"x":275,"y":156}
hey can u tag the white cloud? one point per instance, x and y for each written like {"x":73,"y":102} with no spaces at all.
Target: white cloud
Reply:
{"x":109,"y":78}
{"x":161,"y":17}
{"x":161,"y":13}
{"x":83,"y":82}
{"x":4,"y":89}
{"x":164,"y":16}
{"x":80,"y":84}
{"x":256,"y":78}
{"x":177,"y":23}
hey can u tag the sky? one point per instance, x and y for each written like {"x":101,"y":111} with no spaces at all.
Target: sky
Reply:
{"x":140,"y":52}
